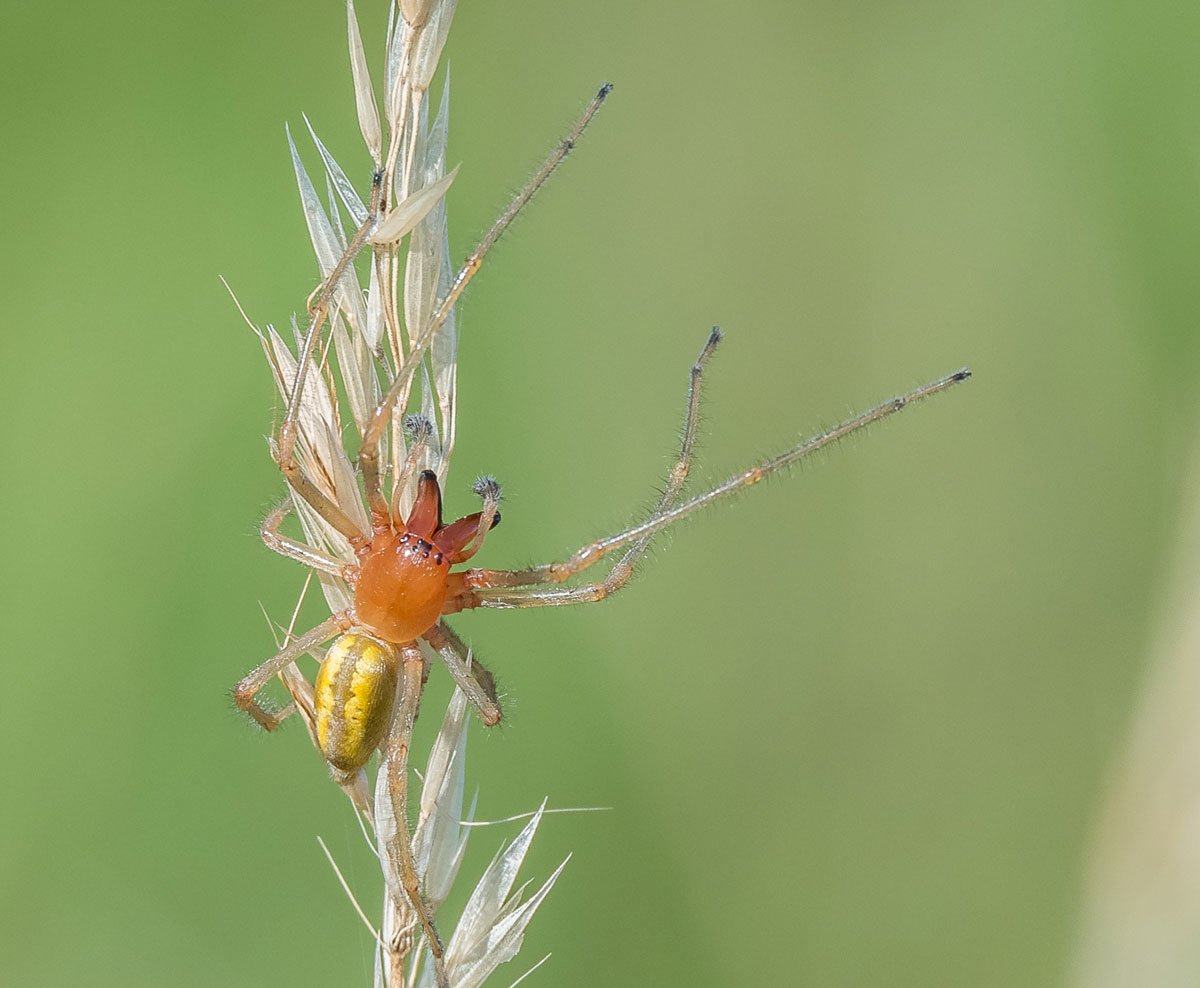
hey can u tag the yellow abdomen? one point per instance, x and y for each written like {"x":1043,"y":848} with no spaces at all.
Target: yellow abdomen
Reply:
{"x":354,"y":692}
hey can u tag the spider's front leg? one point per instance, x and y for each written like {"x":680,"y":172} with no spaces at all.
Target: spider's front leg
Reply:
{"x":526,"y":588}
{"x":530,"y":583}
{"x":368,"y":456}
{"x":285,"y":440}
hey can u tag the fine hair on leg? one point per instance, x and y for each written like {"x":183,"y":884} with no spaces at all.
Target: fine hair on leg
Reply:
{"x":476,"y":682}
{"x":526,"y":588}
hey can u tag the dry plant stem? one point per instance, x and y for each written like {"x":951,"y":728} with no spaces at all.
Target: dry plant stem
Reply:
{"x":396,"y":126}
{"x":301,"y":690}
{"x":343,"y":360}
{"x":412,"y":671}
{"x":369,"y":452}
{"x":418,"y":95}
{"x":324,"y":291}
{"x":482,"y":580}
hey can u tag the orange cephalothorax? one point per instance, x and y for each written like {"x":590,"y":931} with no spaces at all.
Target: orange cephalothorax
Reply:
{"x":403,"y":575}
{"x":401,"y":586}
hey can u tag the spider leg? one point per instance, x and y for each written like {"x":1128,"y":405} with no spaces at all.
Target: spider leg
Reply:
{"x":285,"y":444}
{"x":619,"y":575}
{"x":323,"y":293}
{"x":247,"y":689}
{"x":623,"y":569}
{"x":476,"y":682}
{"x":368,"y":456}
{"x":398,"y":848}
{"x":524,"y":583}
{"x":293,"y":549}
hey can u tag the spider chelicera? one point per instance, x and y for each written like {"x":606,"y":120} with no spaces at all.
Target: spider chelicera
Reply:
{"x":404,"y":582}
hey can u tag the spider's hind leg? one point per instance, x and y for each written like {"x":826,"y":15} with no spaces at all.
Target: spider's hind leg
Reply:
{"x":248,"y":688}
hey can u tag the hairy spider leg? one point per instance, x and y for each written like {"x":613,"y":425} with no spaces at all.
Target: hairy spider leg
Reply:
{"x":368,"y":456}
{"x":522,"y":588}
{"x":249,"y":686}
{"x":470,"y":675}
{"x":300,"y":688}
{"x":301,"y":552}
{"x":620,"y":573}
{"x":285,"y":445}
{"x":369,"y":448}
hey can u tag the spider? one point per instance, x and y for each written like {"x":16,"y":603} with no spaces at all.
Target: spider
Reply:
{"x":404,"y":582}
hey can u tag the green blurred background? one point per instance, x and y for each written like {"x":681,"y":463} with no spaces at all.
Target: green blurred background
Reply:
{"x":853,"y":727}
